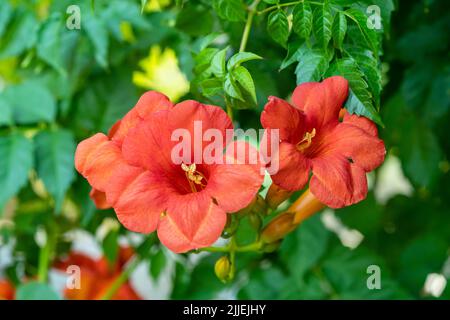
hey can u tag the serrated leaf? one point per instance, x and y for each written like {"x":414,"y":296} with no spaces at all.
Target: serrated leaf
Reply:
{"x":218,"y":63}
{"x":302,"y":19}
{"x":278,"y":26}
{"x":157,"y":264}
{"x":20,"y":98}
{"x":369,"y":66}
{"x":54,"y":162}
{"x":244,"y":78}
{"x":230,"y":87}
{"x":339,"y":29}
{"x":323,"y":19}
{"x":359,"y":99}
{"x":16,"y":159}
{"x":370,"y":35}
{"x":293,"y":53}
{"x":241,"y":57}
{"x":231,"y":10}
{"x":312,"y":65}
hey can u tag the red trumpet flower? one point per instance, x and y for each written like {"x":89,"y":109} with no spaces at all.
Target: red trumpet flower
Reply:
{"x":339,"y":152}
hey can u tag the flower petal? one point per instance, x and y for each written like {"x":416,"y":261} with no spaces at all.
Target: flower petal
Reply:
{"x":191,"y":115}
{"x":192,"y":221}
{"x":236,"y":182}
{"x":365,"y":150}
{"x":321,"y":102}
{"x":148,"y":103}
{"x":336,"y":182}
{"x":139,"y":198}
{"x":293,"y":167}
{"x":361,"y":122}
{"x":279,"y":114}
{"x":99,"y":199}
{"x":98,"y":159}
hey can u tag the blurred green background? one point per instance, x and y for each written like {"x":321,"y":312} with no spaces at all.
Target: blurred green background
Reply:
{"x":59,"y":86}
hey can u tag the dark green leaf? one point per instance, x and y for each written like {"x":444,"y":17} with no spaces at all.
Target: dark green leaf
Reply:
{"x":110,"y":246}
{"x":16,"y":159}
{"x":54,"y":162}
{"x":231,"y":10}
{"x":339,"y":29}
{"x":370,"y":35}
{"x":278,"y":26}
{"x":195,"y":20}
{"x":218,"y":63}
{"x":311,"y":66}
{"x":302,"y":19}
{"x":98,"y":35}
{"x":157,"y":264}
{"x":323,"y":19}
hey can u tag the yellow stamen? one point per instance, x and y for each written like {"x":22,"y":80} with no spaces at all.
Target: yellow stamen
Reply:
{"x":307,"y":140}
{"x":193,"y":176}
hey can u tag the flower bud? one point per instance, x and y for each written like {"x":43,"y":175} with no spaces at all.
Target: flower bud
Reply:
{"x":222,"y":268}
{"x":305,"y":206}
{"x":255,"y":221}
{"x":276,"y":195}
{"x":278,"y":228}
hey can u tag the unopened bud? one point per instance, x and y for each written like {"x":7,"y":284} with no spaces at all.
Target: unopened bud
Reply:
{"x":305,"y":206}
{"x":222,"y":268}
{"x":255,"y":221}
{"x":278,"y":228}
{"x":276,"y":195}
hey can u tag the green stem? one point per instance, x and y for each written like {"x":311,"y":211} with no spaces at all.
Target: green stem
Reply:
{"x":122,"y":278}
{"x":44,"y":261}
{"x":248,"y":24}
{"x":287,"y":4}
{"x":255,"y":246}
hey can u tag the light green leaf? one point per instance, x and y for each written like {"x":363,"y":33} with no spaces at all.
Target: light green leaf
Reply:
{"x":157,"y":264}
{"x":143,"y":4}
{"x":302,"y":19}
{"x":54,"y":162}
{"x":16,"y":159}
{"x":98,"y":35}
{"x":244,"y":78}
{"x":312,"y":65}
{"x":241,"y":57}
{"x":36,"y":291}
{"x":6,"y":116}
{"x":278,"y":26}
{"x":211,"y":87}
{"x":339,"y":29}
{"x":218,"y":63}
{"x":6,"y":13}
{"x":21,"y":35}
{"x":323,"y":19}
{"x":30,"y":102}
{"x":231,"y":88}
{"x":49,"y":43}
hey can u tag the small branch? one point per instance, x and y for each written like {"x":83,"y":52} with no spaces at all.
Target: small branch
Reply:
{"x":122,"y":278}
{"x":248,"y":25}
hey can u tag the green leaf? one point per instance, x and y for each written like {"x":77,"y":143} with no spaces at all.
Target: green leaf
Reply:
{"x":110,"y":245}
{"x":6,"y":13}
{"x":211,"y":87}
{"x":49,"y":43}
{"x":241,"y":57}
{"x":339,"y":29}
{"x":293,"y":54}
{"x":323,"y":19}
{"x":231,"y":88}
{"x":359,"y":99}
{"x":203,"y":61}
{"x":312,"y":65}
{"x":231,"y":10}
{"x":36,"y":291}
{"x":370,"y":35}
{"x":31,"y":102}
{"x":6,"y":115}
{"x":16,"y":159}
{"x":302,"y":249}
{"x":98,"y":35}
{"x":302,"y":19}
{"x":369,"y":66}
{"x":218,"y":63}
{"x":21,"y":34}
{"x":244,"y":78}
{"x":200,"y":25}
{"x":157,"y":264}
{"x":278,"y":26}
{"x":143,"y":4}
{"x":54,"y":162}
